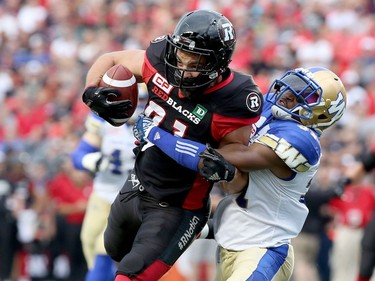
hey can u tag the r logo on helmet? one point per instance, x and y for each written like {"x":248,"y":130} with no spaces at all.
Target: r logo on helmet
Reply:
{"x":228,"y":32}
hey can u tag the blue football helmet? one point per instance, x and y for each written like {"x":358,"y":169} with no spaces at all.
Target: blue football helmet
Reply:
{"x":320,"y":94}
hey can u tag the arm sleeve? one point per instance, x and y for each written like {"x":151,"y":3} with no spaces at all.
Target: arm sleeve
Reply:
{"x":185,"y":152}
{"x":78,"y":155}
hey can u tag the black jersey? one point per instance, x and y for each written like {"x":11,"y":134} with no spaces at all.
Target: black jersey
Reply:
{"x":233,"y":103}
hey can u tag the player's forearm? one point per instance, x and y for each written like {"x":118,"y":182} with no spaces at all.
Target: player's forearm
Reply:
{"x":99,"y":67}
{"x":185,"y":152}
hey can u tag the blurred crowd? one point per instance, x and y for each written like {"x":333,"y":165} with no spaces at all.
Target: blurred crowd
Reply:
{"x":46,"y":48}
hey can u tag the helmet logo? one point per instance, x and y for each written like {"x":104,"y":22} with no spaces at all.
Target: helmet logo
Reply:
{"x":253,"y":102}
{"x":228,"y":32}
{"x":337,"y":107}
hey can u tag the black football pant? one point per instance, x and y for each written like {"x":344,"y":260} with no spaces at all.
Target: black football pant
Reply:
{"x":146,"y":236}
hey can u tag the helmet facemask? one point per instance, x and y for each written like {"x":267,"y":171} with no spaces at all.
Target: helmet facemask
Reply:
{"x":320,"y":95}
{"x":307,"y":93}
{"x":206,"y":65}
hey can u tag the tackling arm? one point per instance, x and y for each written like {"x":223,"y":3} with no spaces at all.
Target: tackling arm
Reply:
{"x":211,"y":163}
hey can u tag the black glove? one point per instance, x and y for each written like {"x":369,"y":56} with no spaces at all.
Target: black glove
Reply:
{"x":98,"y":99}
{"x":215,"y":167}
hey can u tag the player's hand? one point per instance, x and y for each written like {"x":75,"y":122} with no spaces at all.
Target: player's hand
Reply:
{"x":215,"y":167}
{"x":142,"y":127}
{"x":98,"y":100}
{"x":96,"y":162}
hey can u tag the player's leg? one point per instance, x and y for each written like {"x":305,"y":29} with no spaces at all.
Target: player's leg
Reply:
{"x":260,"y":264}
{"x":165,"y":233}
{"x":123,"y":222}
{"x":92,"y":227}
{"x":100,"y":265}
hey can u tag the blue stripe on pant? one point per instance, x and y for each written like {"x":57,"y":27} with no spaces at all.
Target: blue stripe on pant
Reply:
{"x":270,"y":263}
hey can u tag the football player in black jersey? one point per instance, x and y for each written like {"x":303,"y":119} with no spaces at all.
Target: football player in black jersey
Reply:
{"x":163,"y":206}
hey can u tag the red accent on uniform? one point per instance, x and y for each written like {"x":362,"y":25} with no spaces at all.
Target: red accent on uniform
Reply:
{"x":180,"y":95}
{"x":223,"y":125}
{"x":122,"y":278}
{"x":221,"y":84}
{"x":147,"y":70}
{"x":197,"y":193}
{"x":214,"y":88}
{"x":152,"y":273}
{"x":363,"y":279}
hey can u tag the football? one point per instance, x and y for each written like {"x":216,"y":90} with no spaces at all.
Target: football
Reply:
{"x":122,"y":79}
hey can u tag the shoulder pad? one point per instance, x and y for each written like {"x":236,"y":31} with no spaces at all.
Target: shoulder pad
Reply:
{"x":156,"y":49}
{"x":296,"y":144}
{"x":241,"y":96}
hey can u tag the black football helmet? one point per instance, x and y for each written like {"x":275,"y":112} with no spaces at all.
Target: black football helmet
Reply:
{"x":208,"y":34}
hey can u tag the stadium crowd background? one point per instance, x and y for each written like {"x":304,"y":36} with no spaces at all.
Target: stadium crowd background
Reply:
{"x":46,"y":48}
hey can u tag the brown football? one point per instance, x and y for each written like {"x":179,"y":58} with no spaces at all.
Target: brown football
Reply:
{"x":122,"y":79}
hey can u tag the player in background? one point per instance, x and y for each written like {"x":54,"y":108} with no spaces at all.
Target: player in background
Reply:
{"x":254,"y":225}
{"x":106,"y":152}
{"x":367,"y":259}
{"x":193,"y":93}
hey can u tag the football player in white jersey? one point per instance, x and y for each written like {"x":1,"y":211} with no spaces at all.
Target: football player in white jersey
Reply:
{"x":265,"y":207}
{"x":106,"y":152}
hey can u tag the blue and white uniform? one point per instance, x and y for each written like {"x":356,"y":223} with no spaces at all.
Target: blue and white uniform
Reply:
{"x":117,"y":145}
{"x":261,"y":221}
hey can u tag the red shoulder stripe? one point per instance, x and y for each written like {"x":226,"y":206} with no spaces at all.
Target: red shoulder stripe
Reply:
{"x":147,"y":70}
{"x":223,"y":125}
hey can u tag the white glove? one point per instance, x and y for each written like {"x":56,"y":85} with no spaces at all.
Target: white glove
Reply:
{"x":95,"y":162}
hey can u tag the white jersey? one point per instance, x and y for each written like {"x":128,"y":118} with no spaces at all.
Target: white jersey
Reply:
{"x":117,"y":144}
{"x":271,"y":210}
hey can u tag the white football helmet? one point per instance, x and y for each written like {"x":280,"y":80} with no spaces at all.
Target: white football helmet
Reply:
{"x":320,"y":94}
